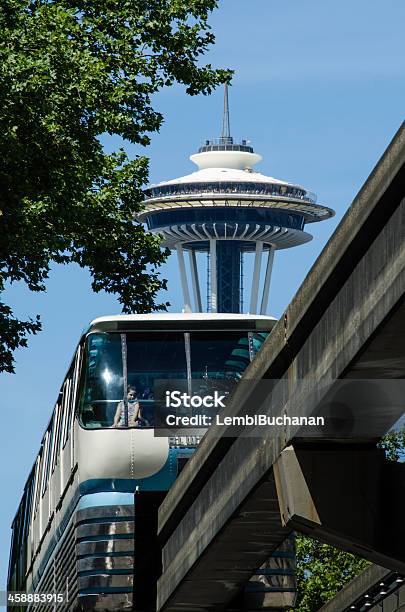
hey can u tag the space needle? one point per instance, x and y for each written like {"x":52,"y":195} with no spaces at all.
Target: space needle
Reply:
{"x":226,"y":209}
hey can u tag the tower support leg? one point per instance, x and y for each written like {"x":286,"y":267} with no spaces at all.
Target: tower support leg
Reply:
{"x":267,"y":279}
{"x":183,"y":277}
{"x":195,"y":281}
{"x":256,"y":278}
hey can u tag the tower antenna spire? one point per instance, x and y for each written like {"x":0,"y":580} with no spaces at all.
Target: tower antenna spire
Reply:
{"x":226,"y":126}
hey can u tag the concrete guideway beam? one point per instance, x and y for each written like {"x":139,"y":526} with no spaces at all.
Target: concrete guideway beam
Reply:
{"x":362,"y":512}
{"x":355,"y":286}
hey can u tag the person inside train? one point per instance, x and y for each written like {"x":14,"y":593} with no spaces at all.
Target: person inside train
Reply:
{"x":134,"y":410}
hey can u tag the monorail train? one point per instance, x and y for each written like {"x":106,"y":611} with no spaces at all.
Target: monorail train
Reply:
{"x":74,"y":529}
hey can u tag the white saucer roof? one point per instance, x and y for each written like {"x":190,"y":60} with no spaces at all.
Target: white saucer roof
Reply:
{"x":208,"y":175}
{"x":226,"y":166}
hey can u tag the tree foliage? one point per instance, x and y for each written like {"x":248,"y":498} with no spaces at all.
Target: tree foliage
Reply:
{"x":393,"y":444}
{"x":71,"y":71}
{"x":322,"y":571}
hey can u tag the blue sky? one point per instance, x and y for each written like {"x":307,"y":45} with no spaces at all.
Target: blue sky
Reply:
{"x":319,"y":90}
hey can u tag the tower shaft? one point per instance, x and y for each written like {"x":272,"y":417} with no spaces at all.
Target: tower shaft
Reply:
{"x":228,"y":276}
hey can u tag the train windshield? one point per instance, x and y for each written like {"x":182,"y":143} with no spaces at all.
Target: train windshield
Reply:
{"x":120,"y":370}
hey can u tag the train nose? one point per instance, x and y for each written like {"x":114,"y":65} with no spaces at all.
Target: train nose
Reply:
{"x":120,"y":453}
{"x":148,"y":453}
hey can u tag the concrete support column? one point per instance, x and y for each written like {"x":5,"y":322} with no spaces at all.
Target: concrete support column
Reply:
{"x":274,"y":585}
{"x":362,"y":512}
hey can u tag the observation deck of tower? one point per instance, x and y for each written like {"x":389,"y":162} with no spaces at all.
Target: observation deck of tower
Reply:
{"x":227,"y":209}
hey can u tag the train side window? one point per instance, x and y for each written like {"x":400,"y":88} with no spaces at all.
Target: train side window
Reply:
{"x":11,"y":581}
{"x":14,"y":577}
{"x":67,"y":390}
{"x":22,"y":542}
{"x":56,"y":435}
{"x":38,"y":470}
{"x":18,"y":562}
{"x":69,"y":398}
{"x":60,"y":429}
{"x":26,"y":522}
{"x":74,"y":391}
{"x":44,"y":462}
{"x":30,"y":499}
{"x":48,"y":454}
